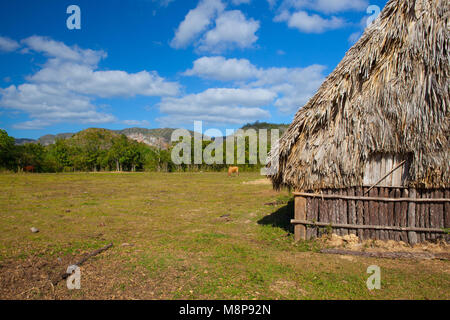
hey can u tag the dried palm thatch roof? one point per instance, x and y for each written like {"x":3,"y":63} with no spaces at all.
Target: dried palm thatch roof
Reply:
{"x":390,"y":94}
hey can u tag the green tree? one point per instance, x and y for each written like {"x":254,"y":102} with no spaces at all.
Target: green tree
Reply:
{"x":30,"y":154}
{"x":117,"y":151}
{"x":6,"y":150}
{"x":60,"y":156}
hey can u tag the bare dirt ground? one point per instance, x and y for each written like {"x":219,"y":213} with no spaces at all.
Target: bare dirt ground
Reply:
{"x":259,"y":181}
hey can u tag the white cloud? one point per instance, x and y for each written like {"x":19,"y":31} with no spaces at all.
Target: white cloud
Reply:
{"x":218,"y":105}
{"x":217,"y":116}
{"x":212,"y":29}
{"x":294,"y":86}
{"x":272,"y":3}
{"x":196,"y":22}
{"x":64,"y":89}
{"x":285,"y":88}
{"x":59,"y":50}
{"x":239,"y":2}
{"x":32,"y":125}
{"x":164,"y":3}
{"x":8,"y":45}
{"x":314,"y":23}
{"x":84,"y":79}
{"x":326,"y":6}
{"x":291,"y":87}
{"x":354,"y":37}
{"x":136,"y":123}
{"x":363,"y":24}
{"x":221,"y":97}
{"x":232,"y":30}
{"x":219,"y":68}
{"x":330,"y":6}
{"x":297,"y":13}
{"x":47,"y":104}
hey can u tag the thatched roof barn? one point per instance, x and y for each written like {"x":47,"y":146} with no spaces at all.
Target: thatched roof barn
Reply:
{"x":386,"y":101}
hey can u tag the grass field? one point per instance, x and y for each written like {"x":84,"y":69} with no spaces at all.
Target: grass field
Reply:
{"x":179,"y":236}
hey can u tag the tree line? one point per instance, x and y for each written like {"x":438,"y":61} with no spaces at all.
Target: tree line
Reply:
{"x":94,"y":150}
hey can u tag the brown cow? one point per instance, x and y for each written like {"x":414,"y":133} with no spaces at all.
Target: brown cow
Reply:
{"x":232,"y":170}
{"x":29,"y":169}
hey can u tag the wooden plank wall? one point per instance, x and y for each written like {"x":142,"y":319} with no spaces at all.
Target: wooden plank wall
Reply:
{"x":379,"y":213}
{"x":380,"y":164}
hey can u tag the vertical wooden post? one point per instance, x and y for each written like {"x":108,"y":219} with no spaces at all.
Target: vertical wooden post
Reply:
{"x":447,"y":210}
{"x":360,"y":212}
{"x":373,"y":214}
{"x":439,"y":210}
{"x":447,"y":214}
{"x":300,"y":214}
{"x":397,"y":214}
{"x":404,"y":216}
{"x":344,"y":212}
{"x":412,"y":236}
{"x":420,"y":210}
{"x":352,"y":210}
{"x":309,"y":205}
{"x":434,"y":213}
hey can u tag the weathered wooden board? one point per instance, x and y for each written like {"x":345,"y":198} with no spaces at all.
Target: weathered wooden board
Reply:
{"x":390,"y":213}
{"x":397,"y":213}
{"x":351,"y":210}
{"x":308,"y":216}
{"x":312,"y":215}
{"x":383,"y":213}
{"x":335,"y":213}
{"x":447,"y":214}
{"x":374,"y":206}
{"x":426,"y":214}
{"x":366,"y":218}
{"x":360,"y":212}
{"x":323,"y":213}
{"x":343,"y":214}
{"x":447,"y":210}
{"x":422,"y":215}
{"x":381,"y":164}
{"x":300,"y":213}
{"x":412,"y":236}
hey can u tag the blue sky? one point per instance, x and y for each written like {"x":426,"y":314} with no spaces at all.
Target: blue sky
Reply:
{"x":166,"y":63}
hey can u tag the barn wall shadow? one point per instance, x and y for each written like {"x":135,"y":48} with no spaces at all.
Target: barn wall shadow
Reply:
{"x":281,"y":218}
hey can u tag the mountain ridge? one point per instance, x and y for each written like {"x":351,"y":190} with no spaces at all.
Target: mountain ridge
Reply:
{"x":157,"y":137}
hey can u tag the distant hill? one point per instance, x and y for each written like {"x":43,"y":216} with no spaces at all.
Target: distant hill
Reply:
{"x":46,"y":140}
{"x":87,"y":135}
{"x":159,"y":138}
{"x":164,"y":133}
{"x":20,"y":142}
{"x":265,"y":125}
{"x":51,"y":138}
